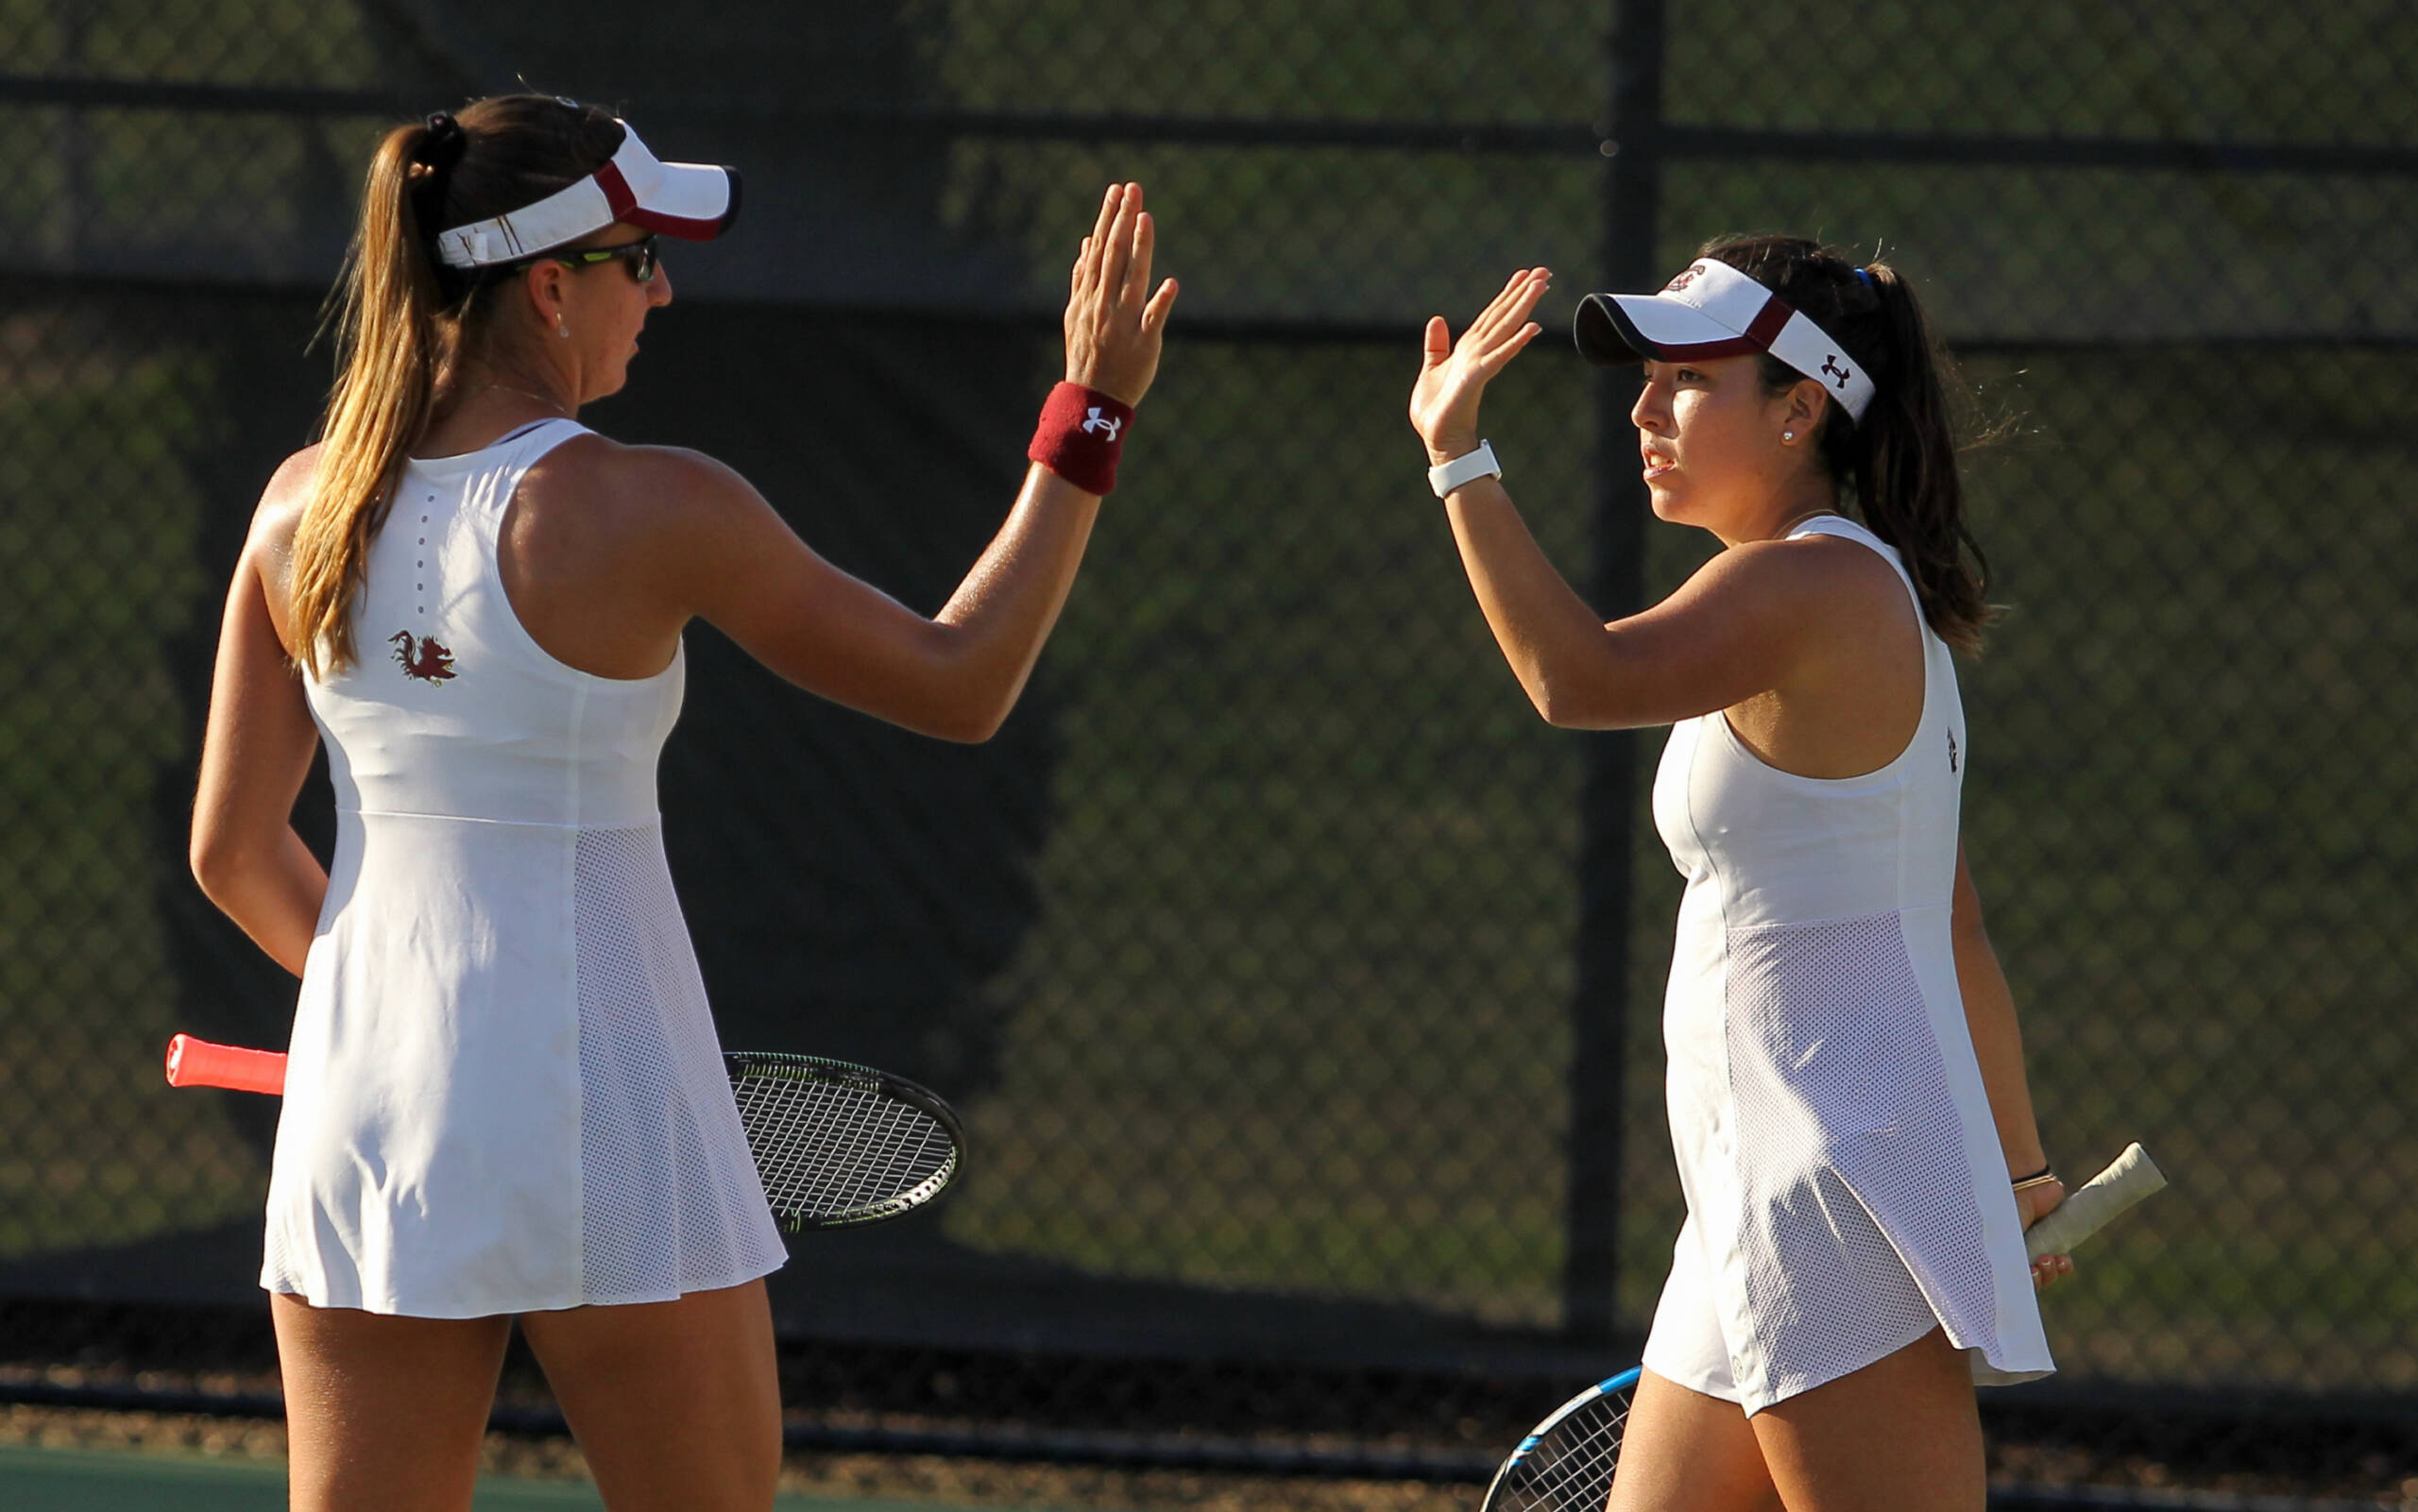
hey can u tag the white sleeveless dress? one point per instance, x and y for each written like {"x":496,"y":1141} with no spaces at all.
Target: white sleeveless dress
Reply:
{"x":504,"y":1093}
{"x":1844,"y":1186}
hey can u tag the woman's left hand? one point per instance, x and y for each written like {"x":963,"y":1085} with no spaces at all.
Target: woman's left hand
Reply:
{"x":1453,"y":375}
{"x":2031,"y":1204}
{"x":1115,"y":322}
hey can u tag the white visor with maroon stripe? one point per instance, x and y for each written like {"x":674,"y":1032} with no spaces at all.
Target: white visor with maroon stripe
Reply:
{"x":686,"y":200}
{"x":1712,"y":311}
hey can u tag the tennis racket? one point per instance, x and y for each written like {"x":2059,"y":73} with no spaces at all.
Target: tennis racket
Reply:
{"x":2129,"y":1178}
{"x":1566,"y":1462}
{"x":836,"y":1144}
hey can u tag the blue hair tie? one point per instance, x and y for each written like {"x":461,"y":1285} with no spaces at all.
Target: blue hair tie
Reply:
{"x":1867,"y":280}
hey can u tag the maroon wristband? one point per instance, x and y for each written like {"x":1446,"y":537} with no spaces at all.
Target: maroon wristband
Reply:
{"x":1081,"y":432}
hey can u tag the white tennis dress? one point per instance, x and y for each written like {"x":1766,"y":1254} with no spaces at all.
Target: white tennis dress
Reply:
{"x":504,"y":1091}
{"x":1844,"y":1186}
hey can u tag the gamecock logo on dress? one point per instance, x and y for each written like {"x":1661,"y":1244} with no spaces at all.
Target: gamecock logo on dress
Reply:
{"x":427,"y":660}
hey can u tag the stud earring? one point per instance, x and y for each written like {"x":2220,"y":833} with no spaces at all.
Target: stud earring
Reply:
{"x":1788,"y":435}
{"x":560,"y":328}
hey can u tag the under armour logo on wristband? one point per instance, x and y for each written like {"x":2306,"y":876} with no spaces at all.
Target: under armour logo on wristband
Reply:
{"x":1829,"y":365}
{"x":1081,"y":432}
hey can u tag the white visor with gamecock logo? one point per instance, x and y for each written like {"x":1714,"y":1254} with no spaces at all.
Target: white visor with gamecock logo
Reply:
{"x":692,"y":200}
{"x":1712,"y":311}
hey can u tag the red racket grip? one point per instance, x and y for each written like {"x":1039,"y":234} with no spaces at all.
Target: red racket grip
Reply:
{"x":199,"y":1063}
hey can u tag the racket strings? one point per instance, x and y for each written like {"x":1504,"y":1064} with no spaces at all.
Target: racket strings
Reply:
{"x":1570,"y":1467}
{"x":828,"y":1148}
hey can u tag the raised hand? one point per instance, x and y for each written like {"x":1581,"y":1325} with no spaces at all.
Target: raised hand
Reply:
{"x":1453,"y":375}
{"x":1113,"y":332}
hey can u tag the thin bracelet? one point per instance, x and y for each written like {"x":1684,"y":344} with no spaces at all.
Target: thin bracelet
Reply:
{"x":2042,"y":1177}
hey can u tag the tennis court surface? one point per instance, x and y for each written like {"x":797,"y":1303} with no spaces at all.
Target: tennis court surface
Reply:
{"x":80,"y":1480}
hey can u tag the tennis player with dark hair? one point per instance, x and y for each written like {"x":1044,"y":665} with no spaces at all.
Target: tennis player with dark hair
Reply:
{"x":1846,"y":1094}
{"x":505,"y":1096}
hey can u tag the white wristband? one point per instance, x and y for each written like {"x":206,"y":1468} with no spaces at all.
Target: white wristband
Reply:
{"x":1464,"y":470}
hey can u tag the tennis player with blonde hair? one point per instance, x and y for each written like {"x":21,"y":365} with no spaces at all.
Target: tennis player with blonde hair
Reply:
{"x":1846,"y":1095}
{"x":504,"y":1098}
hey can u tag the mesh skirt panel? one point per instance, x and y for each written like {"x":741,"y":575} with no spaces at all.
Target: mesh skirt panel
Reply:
{"x":671,"y":1202}
{"x":1861,"y":1228}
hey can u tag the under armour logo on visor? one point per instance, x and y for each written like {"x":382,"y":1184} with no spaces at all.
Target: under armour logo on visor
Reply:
{"x":1105,"y":424}
{"x":1831,"y":366}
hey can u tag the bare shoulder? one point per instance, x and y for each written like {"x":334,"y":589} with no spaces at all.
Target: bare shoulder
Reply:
{"x":1858,"y":582}
{"x":269,"y":544}
{"x":646,"y":525}
{"x":1843,"y":603}
{"x":282,"y":502}
{"x":1827,"y":577}
{"x":602,"y":460}
{"x":643,"y":491}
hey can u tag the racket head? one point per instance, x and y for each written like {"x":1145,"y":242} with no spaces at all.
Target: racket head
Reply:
{"x":837,"y":1145}
{"x":1566,"y":1462}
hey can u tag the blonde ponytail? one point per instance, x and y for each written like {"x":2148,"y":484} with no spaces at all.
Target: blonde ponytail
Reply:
{"x":392,"y":349}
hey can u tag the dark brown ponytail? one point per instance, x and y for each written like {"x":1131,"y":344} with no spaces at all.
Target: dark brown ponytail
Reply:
{"x":1899,"y":462}
{"x":402,"y":322}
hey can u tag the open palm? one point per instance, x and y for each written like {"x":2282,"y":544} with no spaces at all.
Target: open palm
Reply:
{"x":1453,"y":375}
{"x":1115,"y":322}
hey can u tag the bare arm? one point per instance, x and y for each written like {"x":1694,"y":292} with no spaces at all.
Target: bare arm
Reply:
{"x":1989,"y":1016}
{"x":1736,"y":629}
{"x":957,"y":674}
{"x":1744,"y":624}
{"x":254,"y":757}
{"x":1998,"y":1043}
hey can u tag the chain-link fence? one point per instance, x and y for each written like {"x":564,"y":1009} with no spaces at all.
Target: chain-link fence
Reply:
{"x":1300,"y":988}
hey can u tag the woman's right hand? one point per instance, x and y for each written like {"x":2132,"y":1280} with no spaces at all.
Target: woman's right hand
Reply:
{"x":1453,"y":375}
{"x":1113,"y":334}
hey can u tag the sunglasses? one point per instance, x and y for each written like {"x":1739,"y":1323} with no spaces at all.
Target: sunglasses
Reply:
{"x":640,"y":255}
